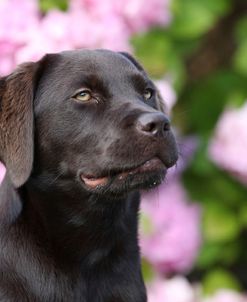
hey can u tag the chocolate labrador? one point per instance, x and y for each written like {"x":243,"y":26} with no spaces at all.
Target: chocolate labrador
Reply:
{"x":81,"y":133}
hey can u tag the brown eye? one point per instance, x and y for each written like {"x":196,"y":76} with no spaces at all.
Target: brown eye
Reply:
{"x":83,"y":96}
{"x":148,"y":94}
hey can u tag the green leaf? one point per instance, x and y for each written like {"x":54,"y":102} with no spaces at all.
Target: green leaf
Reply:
{"x":240,"y":59}
{"x":194,"y":17}
{"x":213,"y":253}
{"x":46,"y":5}
{"x":220,"y":224}
{"x":207,"y":98}
{"x":218,"y":279}
{"x":147,"y":271}
{"x":163,"y":58}
{"x":217,"y":185}
{"x":219,"y":7}
{"x":209,"y":255}
{"x":146,"y":224}
{"x":192,"y":20}
{"x":241,"y":29}
{"x":153,"y":60}
{"x":243,"y":214}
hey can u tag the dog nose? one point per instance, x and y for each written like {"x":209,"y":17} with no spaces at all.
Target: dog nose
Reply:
{"x":153,"y":124}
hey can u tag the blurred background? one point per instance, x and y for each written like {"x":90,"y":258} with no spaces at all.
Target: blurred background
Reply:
{"x":193,"y":228}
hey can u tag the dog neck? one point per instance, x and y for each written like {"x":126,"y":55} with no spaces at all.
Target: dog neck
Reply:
{"x":80,"y":227}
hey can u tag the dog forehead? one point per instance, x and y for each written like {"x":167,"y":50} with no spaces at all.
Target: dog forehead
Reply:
{"x":100,"y":61}
{"x":67,"y":70}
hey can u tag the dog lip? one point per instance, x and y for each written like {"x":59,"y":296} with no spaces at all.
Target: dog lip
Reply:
{"x":152,"y":165}
{"x":94,"y":182}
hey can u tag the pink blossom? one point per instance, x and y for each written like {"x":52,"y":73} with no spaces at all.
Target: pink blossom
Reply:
{"x":18,"y":19}
{"x":141,"y":14}
{"x":27,"y":35}
{"x":2,"y":172}
{"x":176,"y":289}
{"x":7,"y":56}
{"x":90,"y":31}
{"x":170,"y":228}
{"x":229,"y":143}
{"x":137,"y":15}
{"x":52,"y":35}
{"x":167,"y":92}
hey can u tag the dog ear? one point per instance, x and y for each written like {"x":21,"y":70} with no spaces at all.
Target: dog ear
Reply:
{"x":160,"y":102}
{"x":16,"y":122}
{"x":133,"y":61}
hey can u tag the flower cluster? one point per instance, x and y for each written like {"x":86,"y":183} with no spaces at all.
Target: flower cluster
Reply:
{"x":229,"y":144}
{"x":178,"y":289}
{"x":170,"y":228}
{"x":28,"y":34}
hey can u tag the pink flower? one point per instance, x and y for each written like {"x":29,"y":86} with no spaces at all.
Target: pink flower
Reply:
{"x":105,"y":31}
{"x":170,"y":228}
{"x":137,"y":15}
{"x":7,"y":56}
{"x":26,"y":35}
{"x":141,"y":14}
{"x":2,"y":172}
{"x":18,"y":19}
{"x":167,"y":92}
{"x":229,"y":143}
{"x":52,"y":35}
{"x":176,"y":289}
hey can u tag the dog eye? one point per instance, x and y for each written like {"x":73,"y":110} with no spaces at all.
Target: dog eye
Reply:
{"x":83,"y":96}
{"x":148,"y":94}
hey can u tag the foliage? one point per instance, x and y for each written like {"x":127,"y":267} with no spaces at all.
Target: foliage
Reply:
{"x":47,"y":5}
{"x":201,"y":101}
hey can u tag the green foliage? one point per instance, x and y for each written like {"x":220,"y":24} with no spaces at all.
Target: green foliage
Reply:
{"x":201,"y":102}
{"x":207,"y":98}
{"x":220,"y":223}
{"x":146,"y":224}
{"x":147,"y":271}
{"x":212,"y":254}
{"x":154,"y":61}
{"x":195,"y":17}
{"x":46,"y":5}
{"x":243,"y":213}
{"x":218,"y":279}
{"x":240,"y":58}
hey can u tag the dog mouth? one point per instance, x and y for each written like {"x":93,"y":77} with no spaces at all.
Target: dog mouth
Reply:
{"x":154,"y":165}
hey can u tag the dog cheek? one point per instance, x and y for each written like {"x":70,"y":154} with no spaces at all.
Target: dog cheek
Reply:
{"x":128,"y":149}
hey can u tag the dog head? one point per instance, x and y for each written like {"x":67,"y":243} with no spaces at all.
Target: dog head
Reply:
{"x":90,"y":119}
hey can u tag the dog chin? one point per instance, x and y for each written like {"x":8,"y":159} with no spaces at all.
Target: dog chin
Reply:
{"x":146,"y":175}
{"x":116,"y":187}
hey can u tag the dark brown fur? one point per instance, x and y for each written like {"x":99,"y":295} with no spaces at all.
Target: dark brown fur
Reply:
{"x":60,"y":239}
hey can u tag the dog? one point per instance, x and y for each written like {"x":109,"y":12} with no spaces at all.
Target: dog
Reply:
{"x":81,"y":133}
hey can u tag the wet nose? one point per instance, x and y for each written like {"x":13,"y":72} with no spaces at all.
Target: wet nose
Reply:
{"x":153,"y":124}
